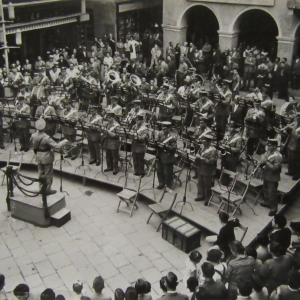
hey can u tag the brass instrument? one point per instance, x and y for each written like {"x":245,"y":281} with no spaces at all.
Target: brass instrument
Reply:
{"x":135,"y":80}
{"x":113,"y":77}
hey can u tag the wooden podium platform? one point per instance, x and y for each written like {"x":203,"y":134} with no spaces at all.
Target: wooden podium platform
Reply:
{"x":31,"y":210}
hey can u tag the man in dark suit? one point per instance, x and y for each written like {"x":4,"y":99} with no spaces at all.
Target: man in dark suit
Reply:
{"x":238,"y":111}
{"x":170,"y":283}
{"x":284,"y":79}
{"x":250,"y":64}
{"x":296,"y":74}
{"x":276,"y":75}
{"x":151,"y":88}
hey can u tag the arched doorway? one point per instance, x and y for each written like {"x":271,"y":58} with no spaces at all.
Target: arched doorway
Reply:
{"x":202,"y":24}
{"x":257,"y":28}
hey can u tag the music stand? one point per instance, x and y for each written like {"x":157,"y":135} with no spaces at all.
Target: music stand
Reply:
{"x":126,"y":157}
{"x":82,"y":165}
{"x":61,"y":153}
{"x":187,"y":180}
{"x":13,"y":132}
{"x":60,"y":121}
{"x":101,"y":154}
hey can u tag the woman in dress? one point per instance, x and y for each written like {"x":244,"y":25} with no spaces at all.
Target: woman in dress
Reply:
{"x":133,"y":43}
{"x":127,"y":49}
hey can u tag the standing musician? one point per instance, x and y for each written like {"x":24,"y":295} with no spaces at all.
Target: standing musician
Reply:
{"x":129,"y":92}
{"x":166,"y":156}
{"x":44,"y":80}
{"x":114,"y":107}
{"x":232,"y":144}
{"x":180,"y":72}
{"x":222,"y":108}
{"x":294,"y":148}
{"x":139,"y":144}
{"x":45,"y":111}
{"x":23,"y":123}
{"x":205,"y":107}
{"x":42,"y":146}
{"x":70,"y":116}
{"x":24,"y":94}
{"x":271,"y":163}
{"x":255,"y":122}
{"x":238,"y":111}
{"x":167,"y":107}
{"x":206,"y":165}
{"x":111,"y":143}
{"x":64,"y":80}
{"x":94,"y":137}
{"x":131,"y":117}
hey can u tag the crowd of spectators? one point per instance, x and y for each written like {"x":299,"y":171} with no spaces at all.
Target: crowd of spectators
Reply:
{"x":269,"y":270}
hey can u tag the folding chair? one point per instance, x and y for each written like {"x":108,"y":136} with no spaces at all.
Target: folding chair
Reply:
{"x":220,"y":189}
{"x":234,"y":200}
{"x":244,"y":230}
{"x":161,"y":210}
{"x":126,"y":154}
{"x":15,"y":167}
{"x":129,"y":196}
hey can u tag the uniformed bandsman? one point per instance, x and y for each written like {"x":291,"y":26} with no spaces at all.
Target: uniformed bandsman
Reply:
{"x":166,"y":156}
{"x":139,"y":144}
{"x":114,"y":107}
{"x":23,"y":123}
{"x":70,"y":116}
{"x":42,"y":146}
{"x":64,"y":80}
{"x":94,"y":136}
{"x":206,"y":165}
{"x":271,"y":163}
{"x":111,"y":143}
{"x":46,"y":111}
{"x":131,"y":117}
{"x":205,"y":107}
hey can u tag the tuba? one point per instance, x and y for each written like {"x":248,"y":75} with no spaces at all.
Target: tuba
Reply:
{"x":135,"y":80}
{"x":113,"y":77}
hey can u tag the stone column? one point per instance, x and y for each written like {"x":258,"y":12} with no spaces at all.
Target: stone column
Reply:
{"x":175,"y":34}
{"x":228,"y":39}
{"x":83,"y":7}
{"x":285,"y":48}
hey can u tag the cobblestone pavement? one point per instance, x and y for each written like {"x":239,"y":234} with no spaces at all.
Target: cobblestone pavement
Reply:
{"x":97,"y":241}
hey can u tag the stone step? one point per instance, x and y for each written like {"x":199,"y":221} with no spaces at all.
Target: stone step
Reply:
{"x":61,"y":217}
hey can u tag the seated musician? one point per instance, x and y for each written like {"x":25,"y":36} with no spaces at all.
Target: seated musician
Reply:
{"x":222,"y":108}
{"x":184,"y":90}
{"x":73,"y":72}
{"x":116,"y":108}
{"x":144,"y":86}
{"x":93,"y":86}
{"x":130,"y":93}
{"x":111,"y":143}
{"x":205,"y":107}
{"x":23,"y":123}
{"x":206,"y":164}
{"x":117,"y":61}
{"x":27,"y":81}
{"x":65,"y":81}
{"x":44,"y":79}
{"x":131,"y":117}
{"x":151,"y":89}
{"x":55,"y":101}
{"x":45,"y":111}
{"x":166,"y":156}
{"x":139,"y":144}
{"x":24,"y":94}
{"x":232,"y":146}
{"x":54,"y":73}
{"x":94,"y":136}
{"x":255,"y":93}
{"x":70,"y":116}
{"x":238,"y":111}
{"x":254,"y":122}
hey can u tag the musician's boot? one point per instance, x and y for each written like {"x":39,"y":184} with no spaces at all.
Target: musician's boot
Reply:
{"x":160,"y":187}
{"x":98,"y":163}
{"x":92,"y":161}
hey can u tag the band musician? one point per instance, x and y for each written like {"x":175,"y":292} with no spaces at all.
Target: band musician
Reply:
{"x":232,"y":145}
{"x":45,"y":111}
{"x":1,"y":127}
{"x":206,"y":163}
{"x":94,"y":136}
{"x":139,"y":144}
{"x":70,"y":116}
{"x":42,"y":146}
{"x":205,"y":107}
{"x":114,"y":107}
{"x":23,"y":123}
{"x":131,"y":117}
{"x":166,"y":156}
{"x":271,"y":164}
{"x":238,"y":111}
{"x":65,"y":81}
{"x":222,"y":108}
{"x":167,"y":106}
{"x":111,"y":143}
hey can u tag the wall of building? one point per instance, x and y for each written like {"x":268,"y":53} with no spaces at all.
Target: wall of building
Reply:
{"x":229,"y":16}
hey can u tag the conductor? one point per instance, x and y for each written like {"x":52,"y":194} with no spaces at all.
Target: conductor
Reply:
{"x":42,"y":147}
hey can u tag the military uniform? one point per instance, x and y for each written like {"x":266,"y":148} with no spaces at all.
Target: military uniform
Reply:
{"x":206,"y":109}
{"x":254,"y":120}
{"x":206,"y":171}
{"x":112,"y":145}
{"x":117,"y":109}
{"x":46,"y":113}
{"x":166,"y":158}
{"x":271,"y":176}
{"x":94,"y":138}
{"x":23,"y":125}
{"x":64,"y":80}
{"x":139,"y":147}
{"x":68,"y":130}
{"x":167,"y":109}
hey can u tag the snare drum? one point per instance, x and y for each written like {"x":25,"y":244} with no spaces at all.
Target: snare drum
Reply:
{"x":38,"y":92}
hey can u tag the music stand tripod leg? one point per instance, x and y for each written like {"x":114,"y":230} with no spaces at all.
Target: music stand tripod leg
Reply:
{"x":102,"y":161}
{"x":60,"y":170}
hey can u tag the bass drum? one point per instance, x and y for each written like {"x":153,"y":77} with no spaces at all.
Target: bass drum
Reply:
{"x":38,"y":92}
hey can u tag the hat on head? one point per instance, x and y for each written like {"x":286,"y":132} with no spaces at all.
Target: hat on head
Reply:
{"x":165,"y":86}
{"x":63,"y":68}
{"x":40,"y":124}
{"x":233,"y":125}
{"x":43,"y":99}
{"x":273,"y":142}
{"x":203,"y":91}
{"x":111,"y":113}
{"x":68,"y":101}
{"x":137,"y":101}
{"x":203,"y":119}
{"x":21,"y":98}
{"x":50,"y":56}
{"x":166,"y":123}
{"x":114,"y":98}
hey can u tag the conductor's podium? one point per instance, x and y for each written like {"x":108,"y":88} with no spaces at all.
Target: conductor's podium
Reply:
{"x":31,"y":210}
